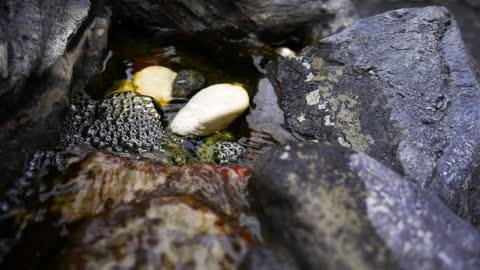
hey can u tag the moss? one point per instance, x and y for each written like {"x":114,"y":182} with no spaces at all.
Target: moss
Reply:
{"x":120,"y":86}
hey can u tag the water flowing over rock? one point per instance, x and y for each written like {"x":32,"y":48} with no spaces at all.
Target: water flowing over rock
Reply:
{"x":335,"y":208}
{"x":400,"y":87}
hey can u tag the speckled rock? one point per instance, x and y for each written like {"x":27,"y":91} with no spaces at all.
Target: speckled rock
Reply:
{"x":335,"y":208}
{"x":162,"y":233}
{"x":228,"y":152}
{"x":400,"y":87}
{"x":124,"y":122}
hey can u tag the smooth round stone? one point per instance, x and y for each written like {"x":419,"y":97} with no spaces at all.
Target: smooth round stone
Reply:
{"x":156,"y":82}
{"x":212,"y":109}
{"x":285,"y":52}
{"x":187,"y":83}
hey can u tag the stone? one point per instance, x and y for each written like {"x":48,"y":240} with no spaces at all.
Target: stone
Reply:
{"x":228,"y":152}
{"x":261,"y":258}
{"x":222,"y":188}
{"x":399,"y":86}
{"x":155,"y":82}
{"x":124,"y":122}
{"x":187,"y":83}
{"x":35,"y":100}
{"x":161,"y":233}
{"x":242,"y":21}
{"x":334,"y":208}
{"x":62,"y":190}
{"x":37,"y":34}
{"x":212,"y":109}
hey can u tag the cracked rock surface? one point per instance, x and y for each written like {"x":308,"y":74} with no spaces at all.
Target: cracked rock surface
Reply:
{"x":399,"y":86}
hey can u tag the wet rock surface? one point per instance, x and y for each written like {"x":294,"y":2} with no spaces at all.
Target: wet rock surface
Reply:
{"x":335,"y":208}
{"x":34,"y":95}
{"x":64,"y":189}
{"x":165,"y":233}
{"x":124,"y":122}
{"x":187,"y":83}
{"x":400,"y":87}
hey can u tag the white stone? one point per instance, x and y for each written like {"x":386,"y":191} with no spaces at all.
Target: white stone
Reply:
{"x":285,"y":52}
{"x":210,"y":110}
{"x":156,"y":82}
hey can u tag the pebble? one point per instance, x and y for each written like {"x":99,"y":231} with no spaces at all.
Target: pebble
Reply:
{"x":187,"y":83}
{"x":156,"y":82}
{"x":212,"y":109}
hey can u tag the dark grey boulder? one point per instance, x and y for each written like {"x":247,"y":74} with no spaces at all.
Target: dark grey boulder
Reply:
{"x":335,"y":208}
{"x":321,"y":17}
{"x":37,"y":34}
{"x":53,"y":48}
{"x":400,"y":87}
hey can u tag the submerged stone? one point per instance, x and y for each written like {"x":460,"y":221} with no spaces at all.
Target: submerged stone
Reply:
{"x":335,"y":208}
{"x":124,"y":122}
{"x":187,"y":83}
{"x":399,"y":86}
{"x":212,"y":109}
{"x":156,"y":82}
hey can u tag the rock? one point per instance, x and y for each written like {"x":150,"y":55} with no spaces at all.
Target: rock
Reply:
{"x":37,"y":34}
{"x":187,"y":83}
{"x":34,"y":102}
{"x":123,"y":122}
{"x":222,"y":188}
{"x":61,"y":190}
{"x":156,"y":82}
{"x":400,"y":87}
{"x":242,"y":21}
{"x":210,"y":110}
{"x":335,"y":208}
{"x":266,"y":121}
{"x":285,"y":52}
{"x":245,"y":15}
{"x":226,"y":152}
{"x":260,"y":258}
{"x":162,"y":233}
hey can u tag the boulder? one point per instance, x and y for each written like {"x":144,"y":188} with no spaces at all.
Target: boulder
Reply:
{"x":335,"y":208}
{"x":42,"y":71}
{"x":237,"y":19}
{"x":399,"y":86}
{"x":161,"y":233}
{"x":61,"y":190}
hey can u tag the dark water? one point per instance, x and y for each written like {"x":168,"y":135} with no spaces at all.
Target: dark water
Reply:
{"x":131,"y":50}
